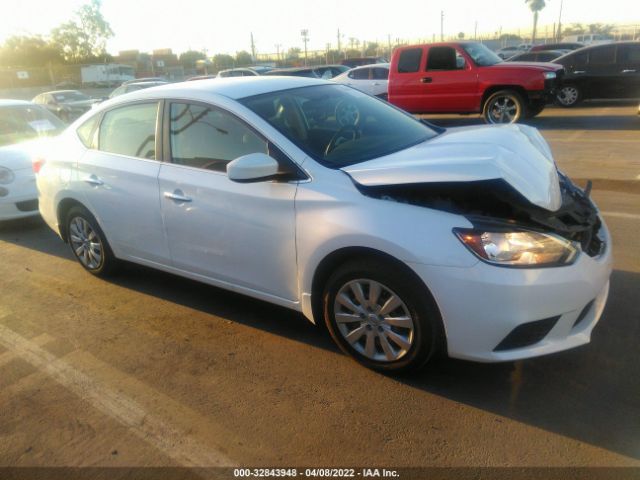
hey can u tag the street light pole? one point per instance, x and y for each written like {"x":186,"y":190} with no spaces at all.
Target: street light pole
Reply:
{"x":305,"y":39}
{"x":442,"y":25}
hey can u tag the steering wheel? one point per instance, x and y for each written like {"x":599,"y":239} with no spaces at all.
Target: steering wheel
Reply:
{"x":347,"y":133}
{"x":347,"y":114}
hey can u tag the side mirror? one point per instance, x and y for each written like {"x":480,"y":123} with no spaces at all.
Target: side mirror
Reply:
{"x":255,"y":167}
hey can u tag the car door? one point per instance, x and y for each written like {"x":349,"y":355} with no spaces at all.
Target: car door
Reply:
{"x":240,"y":234}
{"x":118,"y":178}
{"x":602,"y":74}
{"x":448,"y":83}
{"x":359,"y":78}
{"x":380,"y":81}
{"x":628,"y":68}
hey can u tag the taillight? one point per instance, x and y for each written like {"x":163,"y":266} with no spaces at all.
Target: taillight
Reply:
{"x":37,"y":164}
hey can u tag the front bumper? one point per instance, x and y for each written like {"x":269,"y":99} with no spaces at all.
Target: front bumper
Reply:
{"x":483,"y":304}
{"x":19,"y":199}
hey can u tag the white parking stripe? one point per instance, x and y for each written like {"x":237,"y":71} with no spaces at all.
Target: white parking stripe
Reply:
{"x":174,"y":442}
{"x":9,"y":356}
{"x":631,"y":216}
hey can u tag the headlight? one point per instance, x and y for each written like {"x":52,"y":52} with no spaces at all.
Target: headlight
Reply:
{"x":6,"y":176}
{"x":518,"y":248}
{"x":549,"y":75}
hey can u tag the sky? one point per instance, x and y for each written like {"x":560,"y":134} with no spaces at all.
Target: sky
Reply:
{"x":225,"y":26}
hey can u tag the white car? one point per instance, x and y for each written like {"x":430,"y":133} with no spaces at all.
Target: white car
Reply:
{"x":403,"y":238}
{"x":21,"y":124}
{"x":371,"y":79}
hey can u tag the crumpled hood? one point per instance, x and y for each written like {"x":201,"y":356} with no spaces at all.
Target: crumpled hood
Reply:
{"x":518,"y":154}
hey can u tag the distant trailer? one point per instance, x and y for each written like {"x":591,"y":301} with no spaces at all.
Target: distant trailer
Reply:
{"x":107,"y":75}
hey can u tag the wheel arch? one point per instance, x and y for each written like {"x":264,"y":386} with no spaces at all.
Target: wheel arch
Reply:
{"x":64,"y":206}
{"x":496,"y":88}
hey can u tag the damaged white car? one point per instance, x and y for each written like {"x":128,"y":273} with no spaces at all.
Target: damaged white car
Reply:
{"x":403,"y":238}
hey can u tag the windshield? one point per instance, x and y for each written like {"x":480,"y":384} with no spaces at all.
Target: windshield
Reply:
{"x":481,"y":55}
{"x":71,"y":96}
{"x":21,"y":123}
{"x":338,"y":125}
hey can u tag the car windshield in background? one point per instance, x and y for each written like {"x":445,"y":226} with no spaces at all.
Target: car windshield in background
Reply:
{"x":337,"y":125}
{"x":70,"y":97}
{"x":481,"y":55}
{"x":21,"y":123}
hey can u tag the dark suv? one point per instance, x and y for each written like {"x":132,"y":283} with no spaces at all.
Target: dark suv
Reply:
{"x":611,"y":70}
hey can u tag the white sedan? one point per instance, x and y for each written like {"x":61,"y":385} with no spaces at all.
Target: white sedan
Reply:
{"x":371,"y":79}
{"x":21,"y":124}
{"x":405,"y":239}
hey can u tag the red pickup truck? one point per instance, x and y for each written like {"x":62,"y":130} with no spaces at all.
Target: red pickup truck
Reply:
{"x":467,"y":77}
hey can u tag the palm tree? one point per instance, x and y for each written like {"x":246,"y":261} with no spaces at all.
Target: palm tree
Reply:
{"x":535,"y":6}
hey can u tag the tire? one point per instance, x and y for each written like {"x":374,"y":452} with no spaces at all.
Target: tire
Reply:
{"x":89,"y":244}
{"x":504,"y":106}
{"x":568,"y":96}
{"x":409,"y":343}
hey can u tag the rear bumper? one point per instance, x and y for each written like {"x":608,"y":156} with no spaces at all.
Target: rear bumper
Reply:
{"x":19,"y":199}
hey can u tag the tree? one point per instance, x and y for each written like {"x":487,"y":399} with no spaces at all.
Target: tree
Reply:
{"x":189,"y":58}
{"x":574,"y":29}
{"x":535,"y":6}
{"x":28,"y":51}
{"x":371,"y":49}
{"x":222,"y":61}
{"x":601,"y":28}
{"x":83,"y":38}
{"x":243,"y":58}
{"x":460,"y":35}
{"x":293,"y":53}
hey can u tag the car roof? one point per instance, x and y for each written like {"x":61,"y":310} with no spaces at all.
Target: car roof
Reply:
{"x":231,"y":87}
{"x":9,"y":102}
{"x":372,"y":65}
{"x":60,"y":91}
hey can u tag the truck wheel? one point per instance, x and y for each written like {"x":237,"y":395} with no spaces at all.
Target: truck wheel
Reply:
{"x":504,"y":106}
{"x":569,"y":96}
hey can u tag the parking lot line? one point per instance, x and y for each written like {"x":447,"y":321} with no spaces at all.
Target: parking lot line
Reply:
{"x":9,"y":356}
{"x":173,"y":441}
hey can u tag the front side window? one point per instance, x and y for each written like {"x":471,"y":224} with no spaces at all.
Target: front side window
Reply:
{"x":209,"y":138}
{"x":130,"y":131}
{"x":338,"y":125}
{"x":409,"y":60}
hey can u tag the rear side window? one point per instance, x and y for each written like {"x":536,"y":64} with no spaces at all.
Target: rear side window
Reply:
{"x":409,"y":60}
{"x":380,"y":73}
{"x":360,"y":74}
{"x":603,"y":56}
{"x":629,"y":55}
{"x":130,"y":131}
{"x":86,"y":131}
{"x":209,"y":138}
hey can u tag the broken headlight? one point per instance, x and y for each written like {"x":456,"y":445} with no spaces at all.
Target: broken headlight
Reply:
{"x":518,"y":248}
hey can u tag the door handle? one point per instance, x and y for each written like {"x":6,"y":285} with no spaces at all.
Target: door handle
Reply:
{"x":579,"y":71}
{"x":629,"y":71}
{"x":177,"y":196}
{"x":93,"y":180}
{"x":375,"y":84}
{"x":426,"y":80}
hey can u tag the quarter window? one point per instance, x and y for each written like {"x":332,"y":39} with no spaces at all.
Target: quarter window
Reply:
{"x":130,"y":131}
{"x":209,"y":138}
{"x":409,"y":60}
{"x":86,"y":131}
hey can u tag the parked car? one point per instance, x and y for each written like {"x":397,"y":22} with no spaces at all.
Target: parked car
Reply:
{"x":360,"y":61}
{"x":557,"y":46}
{"x":21,"y":125}
{"x":508,"y":52}
{"x":610,"y":70}
{"x":132,"y":87}
{"x":325,"y":72}
{"x":588,"y":39}
{"x":237,"y":72}
{"x":467,"y":77}
{"x":65,"y":104}
{"x":320,"y":198}
{"x":371,"y":79}
{"x":538,"y":56}
{"x":144,"y":79}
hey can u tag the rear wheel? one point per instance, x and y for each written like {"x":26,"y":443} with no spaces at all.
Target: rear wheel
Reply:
{"x":504,"y":106}
{"x":569,"y":96}
{"x":88,"y":243}
{"x":381,"y":316}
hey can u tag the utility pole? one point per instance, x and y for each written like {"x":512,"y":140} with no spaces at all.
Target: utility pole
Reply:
{"x":339,"y":44}
{"x":253,"y":49}
{"x":559,"y":31}
{"x":475,"y":31}
{"x":305,"y":39}
{"x":442,"y":25}
{"x":278,"y":45}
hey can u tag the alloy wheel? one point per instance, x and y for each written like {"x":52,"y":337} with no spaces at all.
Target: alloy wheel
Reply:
{"x":374,"y":320}
{"x":503,"y":109}
{"x":86,"y":243}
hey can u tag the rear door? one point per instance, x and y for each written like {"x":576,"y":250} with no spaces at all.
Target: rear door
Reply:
{"x":380,"y":81}
{"x":628,"y":66}
{"x":118,"y":178}
{"x":240,"y":234}
{"x":603,"y":76}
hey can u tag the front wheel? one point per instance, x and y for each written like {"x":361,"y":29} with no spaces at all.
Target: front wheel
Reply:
{"x":569,"y":96}
{"x":88,"y":243}
{"x":381,"y":316}
{"x":504,"y":106}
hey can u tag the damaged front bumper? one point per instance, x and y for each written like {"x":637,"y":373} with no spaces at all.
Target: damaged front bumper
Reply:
{"x":494,"y":314}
